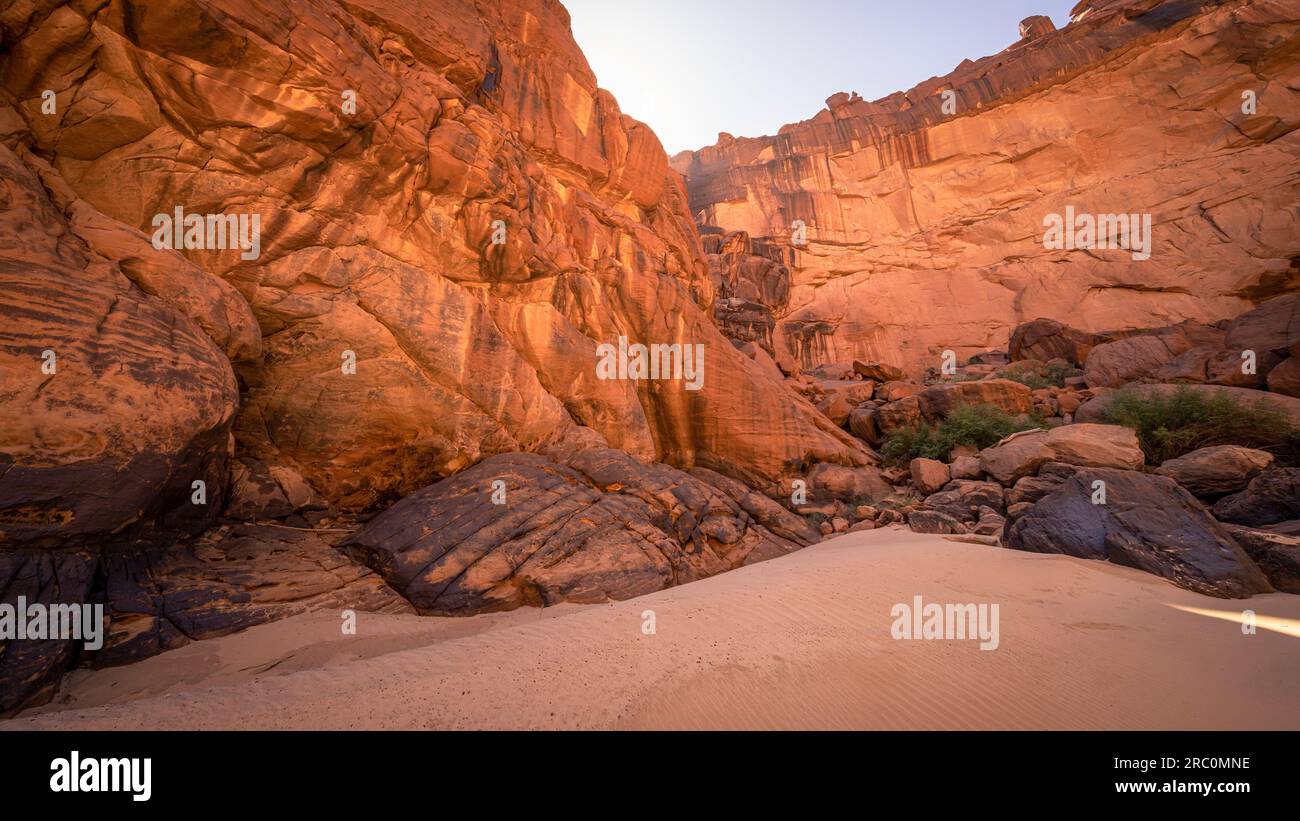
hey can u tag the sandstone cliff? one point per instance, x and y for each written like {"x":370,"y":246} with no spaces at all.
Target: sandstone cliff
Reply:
{"x":925,"y":221}
{"x":445,"y":198}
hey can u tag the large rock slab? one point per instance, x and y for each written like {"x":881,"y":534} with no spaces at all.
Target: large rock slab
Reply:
{"x":1088,"y":445}
{"x":1271,"y":497}
{"x":1046,"y":339}
{"x":1117,"y":363}
{"x":1272,"y":327}
{"x":1147,"y":522}
{"x":938,"y":401}
{"x":597,"y":526}
{"x":1216,"y":471}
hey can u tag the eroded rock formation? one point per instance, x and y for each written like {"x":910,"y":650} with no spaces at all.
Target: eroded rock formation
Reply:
{"x":527,"y":529}
{"x":452,"y":218}
{"x":925,"y":224}
{"x":435,"y":220}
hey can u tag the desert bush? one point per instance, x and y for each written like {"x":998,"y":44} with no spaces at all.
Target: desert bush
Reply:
{"x":1175,"y":423}
{"x":977,"y":426}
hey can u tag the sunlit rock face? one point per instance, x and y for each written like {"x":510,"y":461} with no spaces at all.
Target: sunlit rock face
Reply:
{"x":925,"y":212}
{"x":445,"y":199}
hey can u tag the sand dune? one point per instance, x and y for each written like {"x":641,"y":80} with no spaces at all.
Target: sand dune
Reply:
{"x":798,"y":642}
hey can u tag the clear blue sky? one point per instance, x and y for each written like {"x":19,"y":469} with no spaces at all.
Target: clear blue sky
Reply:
{"x":692,"y":68}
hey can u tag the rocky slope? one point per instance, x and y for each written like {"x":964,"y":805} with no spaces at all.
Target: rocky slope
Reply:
{"x":925,"y":223}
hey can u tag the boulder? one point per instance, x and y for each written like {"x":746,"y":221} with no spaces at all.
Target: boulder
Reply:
{"x":1143,"y":355}
{"x":1034,"y":488}
{"x":1216,"y":471}
{"x":938,"y":401}
{"x":1225,"y":368}
{"x":1147,"y":522}
{"x":837,"y":407}
{"x":1069,"y":401}
{"x":116,"y":388}
{"x":828,"y":481}
{"x":905,"y":413}
{"x":1045,"y":339}
{"x":929,"y":475}
{"x":963,"y":500}
{"x":862,"y":423}
{"x":1087,"y":445}
{"x":966,"y":467}
{"x":856,"y":391}
{"x":990,"y":523}
{"x":599,"y":525}
{"x":933,"y":521}
{"x":893,"y":391}
{"x":1277,"y":554}
{"x":878,"y":371}
{"x":1272,"y":326}
{"x":1039,"y":25}
{"x":1271,"y":497}
{"x":1285,"y":378}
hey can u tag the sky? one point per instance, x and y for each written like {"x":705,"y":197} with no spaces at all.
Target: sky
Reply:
{"x":694,"y":68}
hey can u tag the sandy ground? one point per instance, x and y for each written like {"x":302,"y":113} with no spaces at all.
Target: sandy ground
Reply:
{"x":799,"y":642}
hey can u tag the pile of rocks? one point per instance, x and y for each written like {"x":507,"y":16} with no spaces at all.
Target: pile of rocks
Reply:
{"x":1222,"y":520}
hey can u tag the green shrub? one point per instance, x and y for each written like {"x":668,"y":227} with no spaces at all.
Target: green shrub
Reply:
{"x":1172,"y":424}
{"x":977,"y":426}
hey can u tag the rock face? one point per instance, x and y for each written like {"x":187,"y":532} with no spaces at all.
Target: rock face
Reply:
{"x":596,"y":526}
{"x":442,"y":193}
{"x":752,"y":284}
{"x":157,"y":598}
{"x":925,"y":225}
{"x":115,"y":399}
{"x":1147,"y":522}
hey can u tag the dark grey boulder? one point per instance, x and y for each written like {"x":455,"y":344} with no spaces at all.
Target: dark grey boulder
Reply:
{"x":1147,"y":522}
{"x":1271,"y":497}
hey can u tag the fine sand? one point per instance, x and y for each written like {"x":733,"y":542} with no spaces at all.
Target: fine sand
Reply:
{"x":798,"y":642}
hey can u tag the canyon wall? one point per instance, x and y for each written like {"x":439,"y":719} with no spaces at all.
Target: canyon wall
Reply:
{"x":924,"y":212}
{"x":453,"y":216}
